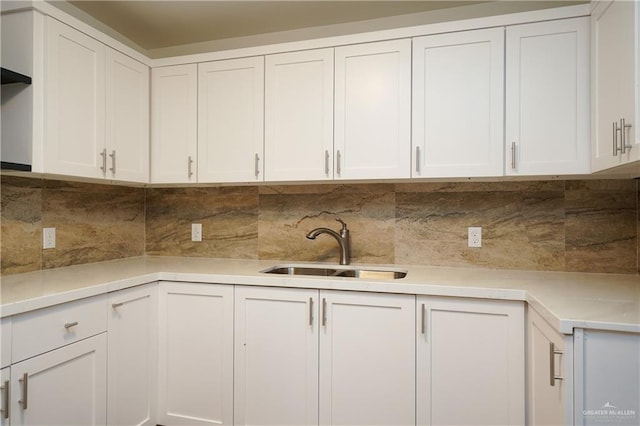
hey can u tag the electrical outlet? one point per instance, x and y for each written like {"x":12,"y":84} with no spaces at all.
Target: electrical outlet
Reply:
{"x":196,"y":232}
{"x":48,"y":238}
{"x":475,"y":236}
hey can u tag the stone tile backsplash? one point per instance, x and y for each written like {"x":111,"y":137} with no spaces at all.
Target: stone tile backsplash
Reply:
{"x":581,"y":225}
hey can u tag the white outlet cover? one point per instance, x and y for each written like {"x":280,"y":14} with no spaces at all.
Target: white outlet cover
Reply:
{"x":196,"y":232}
{"x":48,"y":238}
{"x":475,"y":236}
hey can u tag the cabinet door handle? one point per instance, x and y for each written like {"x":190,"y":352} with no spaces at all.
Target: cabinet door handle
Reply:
{"x":190,"y":167}
{"x":552,"y":364}
{"x":256,"y":165}
{"x":113,"y":162}
{"x":326,"y":162}
{"x":324,"y":312}
{"x":418,"y":159}
{"x":5,"y":400}
{"x":423,"y":318}
{"x":25,"y":391}
{"x":623,"y":136}
{"x":311,"y":311}
{"x":117,"y":305}
{"x":513,"y":155}
{"x":614,"y":139}
{"x":103,"y":154}
{"x":69,"y":325}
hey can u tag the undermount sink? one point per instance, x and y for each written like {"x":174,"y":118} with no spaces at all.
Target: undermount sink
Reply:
{"x":362,"y":273}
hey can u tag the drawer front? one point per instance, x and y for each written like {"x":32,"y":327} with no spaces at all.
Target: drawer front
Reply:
{"x":5,"y":342}
{"x":50,"y":328}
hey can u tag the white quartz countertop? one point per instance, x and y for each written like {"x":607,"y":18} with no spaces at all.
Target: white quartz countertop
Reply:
{"x":567,"y":300}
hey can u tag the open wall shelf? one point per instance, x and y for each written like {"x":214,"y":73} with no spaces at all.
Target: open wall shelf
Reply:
{"x":10,"y":77}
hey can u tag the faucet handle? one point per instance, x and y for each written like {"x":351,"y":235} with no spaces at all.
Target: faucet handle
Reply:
{"x":344,"y":225}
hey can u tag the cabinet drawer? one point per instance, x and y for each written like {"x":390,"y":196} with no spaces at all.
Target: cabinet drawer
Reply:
{"x":50,"y":328}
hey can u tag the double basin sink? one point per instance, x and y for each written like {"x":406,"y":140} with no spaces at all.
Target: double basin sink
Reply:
{"x":321,"y":271}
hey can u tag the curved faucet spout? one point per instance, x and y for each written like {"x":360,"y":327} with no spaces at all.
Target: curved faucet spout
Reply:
{"x":342,"y":238}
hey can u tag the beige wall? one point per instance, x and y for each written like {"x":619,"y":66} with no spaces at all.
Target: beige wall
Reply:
{"x":556,"y":226}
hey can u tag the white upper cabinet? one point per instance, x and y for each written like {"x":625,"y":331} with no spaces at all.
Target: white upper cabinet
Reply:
{"x":96,"y":108}
{"x":127,"y":109}
{"x":614,"y":90}
{"x":299,"y":116}
{"x":230,"y":120}
{"x":373,"y":110}
{"x":547,"y":98}
{"x":458,"y":92}
{"x":74,"y":102}
{"x":174,"y":99}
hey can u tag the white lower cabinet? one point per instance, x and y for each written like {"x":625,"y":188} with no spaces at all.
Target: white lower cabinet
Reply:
{"x":132,"y":356}
{"x":66,"y":386}
{"x":5,"y":396}
{"x":549,"y":385}
{"x":470,"y":362}
{"x":276,"y":356}
{"x":333,"y":357}
{"x":367,"y":359}
{"x":195,"y":354}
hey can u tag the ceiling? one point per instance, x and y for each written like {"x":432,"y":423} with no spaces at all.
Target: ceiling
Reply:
{"x":159,"y":24}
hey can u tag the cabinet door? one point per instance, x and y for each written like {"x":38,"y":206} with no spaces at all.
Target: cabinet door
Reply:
{"x":230,"y":120}
{"x":196,"y":354}
{"x":458,"y":92}
{"x":373,"y":110}
{"x":470,"y":367}
{"x":133,"y":348}
{"x":5,"y":396}
{"x":614,"y":82}
{"x":549,"y":399}
{"x":74,"y":102}
{"x":367,"y":359}
{"x":127,"y":120}
{"x":276,"y":356}
{"x":547,"y":98}
{"x":67,"y":386}
{"x":5,"y":342}
{"x":299,"y":116}
{"x":174,"y":94}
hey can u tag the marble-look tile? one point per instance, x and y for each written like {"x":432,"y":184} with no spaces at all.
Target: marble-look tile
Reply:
{"x":520,"y":230}
{"x":93,"y":222}
{"x":601,"y":226}
{"x":286,"y":218}
{"x":512,"y":186}
{"x":21,"y":216}
{"x":229,"y":218}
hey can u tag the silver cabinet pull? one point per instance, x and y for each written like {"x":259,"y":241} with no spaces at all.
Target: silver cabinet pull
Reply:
{"x":513,"y":155}
{"x":614,"y":139}
{"x":117,"y":305}
{"x":311,"y":311}
{"x":5,"y":400}
{"x":25,"y":391}
{"x":422,"y":318}
{"x":324,"y":312}
{"x":190,"y":167}
{"x":417,"y":159}
{"x":256,"y":165}
{"x":552,"y":364}
{"x":113,"y":162}
{"x":338,"y":161}
{"x":68,"y":325}
{"x":103,"y":154}
{"x":623,"y":137}
{"x":326,"y":162}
